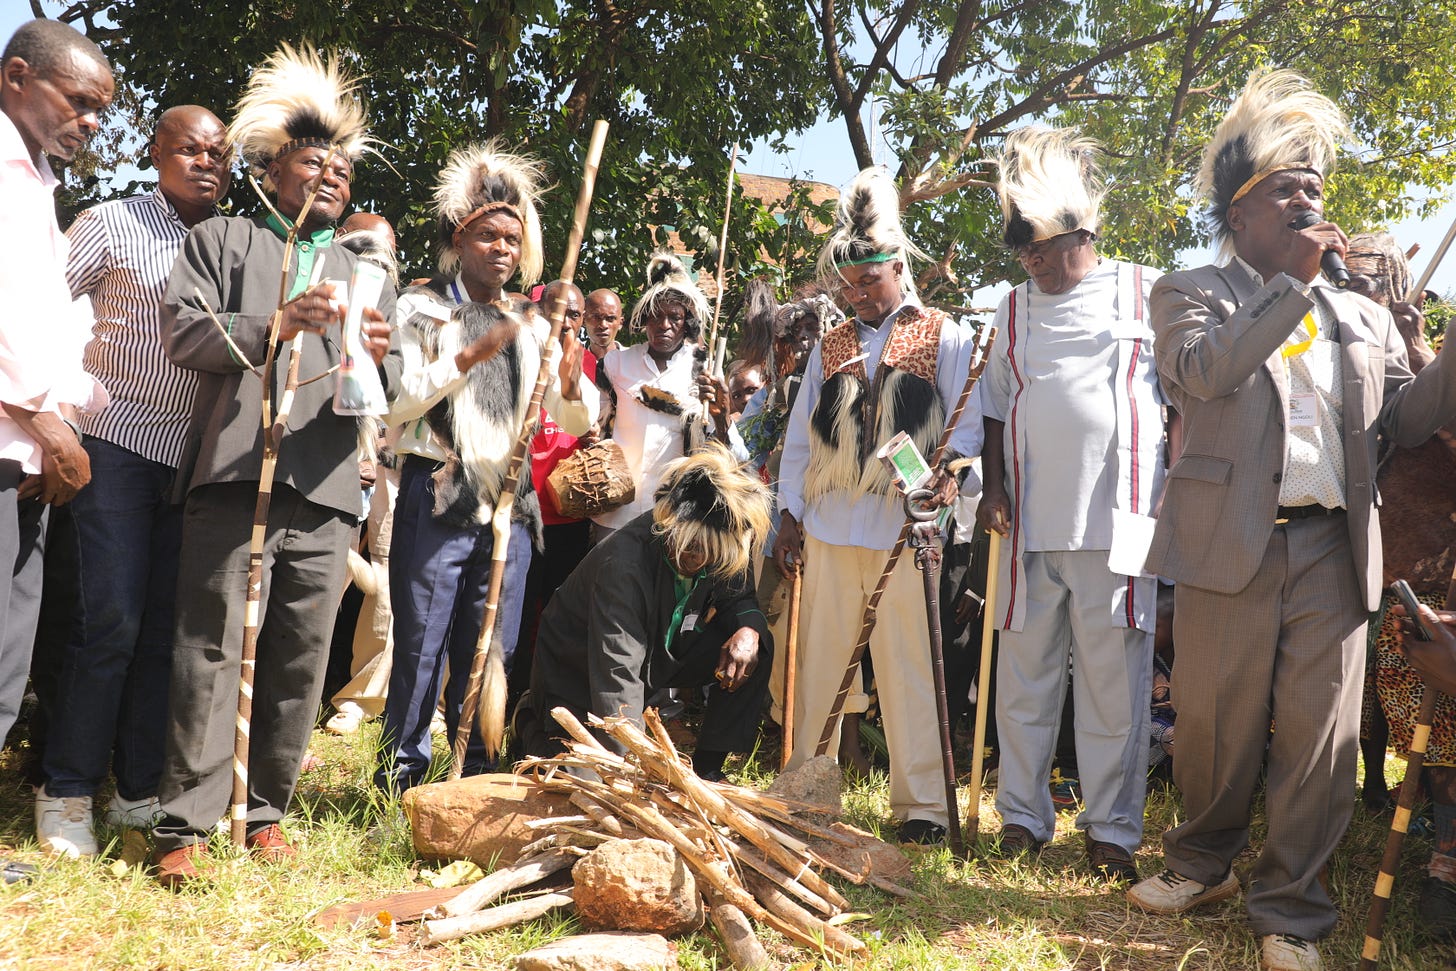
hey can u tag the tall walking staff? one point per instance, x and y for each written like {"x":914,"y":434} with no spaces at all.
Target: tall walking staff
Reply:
{"x":1430,"y":269}
{"x":487,"y":667}
{"x":925,"y":540}
{"x":983,"y":684}
{"x":722,"y":257}
{"x":791,"y":663}
{"x":296,"y":100}
{"x":979,"y":355}
{"x":1405,"y":799}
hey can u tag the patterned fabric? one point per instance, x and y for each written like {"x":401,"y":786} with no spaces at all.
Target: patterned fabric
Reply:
{"x":913,"y":346}
{"x":1399,"y":688}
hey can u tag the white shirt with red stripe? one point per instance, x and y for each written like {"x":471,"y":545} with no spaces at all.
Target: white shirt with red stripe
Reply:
{"x":1072,"y":377}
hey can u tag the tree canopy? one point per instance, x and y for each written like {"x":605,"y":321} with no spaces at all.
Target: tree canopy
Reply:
{"x":944,"y":81}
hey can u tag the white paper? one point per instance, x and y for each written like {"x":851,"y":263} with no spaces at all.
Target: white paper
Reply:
{"x":1132,"y":537}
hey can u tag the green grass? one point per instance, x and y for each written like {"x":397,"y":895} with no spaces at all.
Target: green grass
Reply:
{"x":1039,"y":915}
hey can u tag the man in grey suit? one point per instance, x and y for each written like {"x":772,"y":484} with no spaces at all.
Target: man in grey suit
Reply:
{"x":1268,"y":525}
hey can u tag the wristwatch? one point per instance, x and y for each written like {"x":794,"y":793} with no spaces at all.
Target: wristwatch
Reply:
{"x":71,"y":425}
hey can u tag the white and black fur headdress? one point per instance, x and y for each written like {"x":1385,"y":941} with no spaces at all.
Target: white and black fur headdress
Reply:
{"x":298,"y":99}
{"x":668,"y":281}
{"x":867,"y":229}
{"x":708,"y":502}
{"x":1050,"y":184}
{"x":1279,"y":122}
{"x":479,"y":180}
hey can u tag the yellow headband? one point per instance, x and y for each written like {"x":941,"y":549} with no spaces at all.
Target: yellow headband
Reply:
{"x":1260,"y":176}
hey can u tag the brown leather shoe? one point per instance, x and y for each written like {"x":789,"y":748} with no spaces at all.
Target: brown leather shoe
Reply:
{"x":1110,"y":863}
{"x":1015,"y":841}
{"x":268,"y":844}
{"x":177,"y":868}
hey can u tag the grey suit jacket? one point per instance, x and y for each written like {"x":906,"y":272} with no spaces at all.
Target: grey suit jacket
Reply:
{"x":234,"y":264}
{"x":1217,"y":346}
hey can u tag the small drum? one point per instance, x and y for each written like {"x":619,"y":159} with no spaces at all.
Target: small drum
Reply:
{"x":592,"y":481}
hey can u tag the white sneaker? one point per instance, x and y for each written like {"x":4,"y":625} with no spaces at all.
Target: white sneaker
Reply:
{"x":63,"y":825}
{"x":1170,"y":893}
{"x":346,"y":720}
{"x":132,"y":814}
{"x":1285,"y":952}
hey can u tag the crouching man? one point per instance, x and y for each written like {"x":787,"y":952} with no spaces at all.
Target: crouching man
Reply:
{"x":667,"y":601}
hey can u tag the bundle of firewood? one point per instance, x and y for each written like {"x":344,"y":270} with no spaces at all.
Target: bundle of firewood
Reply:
{"x":736,"y":841}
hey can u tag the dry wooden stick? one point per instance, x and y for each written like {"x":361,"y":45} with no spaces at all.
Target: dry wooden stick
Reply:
{"x":503,"y":881}
{"x":487,"y":667}
{"x":867,"y":623}
{"x":723,"y":253}
{"x":515,"y":912}
{"x":273,"y":431}
{"x":744,"y":949}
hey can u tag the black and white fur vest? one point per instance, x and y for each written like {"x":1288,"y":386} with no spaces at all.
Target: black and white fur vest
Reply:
{"x":477,"y":423}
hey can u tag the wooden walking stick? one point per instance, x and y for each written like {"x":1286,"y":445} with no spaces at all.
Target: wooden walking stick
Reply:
{"x":791,"y":664}
{"x":984,"y":341}
{"x":983,"y":684}
{"x":487,"y":667}
{"x":273,"y":431}
{"x":1404,"y":806}
{"x":925,"y":539}
{"x":1430,"y":269}
{"x":722,"y":255}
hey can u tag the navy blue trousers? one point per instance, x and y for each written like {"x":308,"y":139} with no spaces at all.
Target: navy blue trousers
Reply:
{"x":438,"y":575}
{"x":116,"y":667}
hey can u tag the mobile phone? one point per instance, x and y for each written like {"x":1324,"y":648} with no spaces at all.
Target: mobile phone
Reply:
{"x":1412,"y":606}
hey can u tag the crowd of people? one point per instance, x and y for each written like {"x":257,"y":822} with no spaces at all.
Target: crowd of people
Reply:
{"x":1183,"y":462}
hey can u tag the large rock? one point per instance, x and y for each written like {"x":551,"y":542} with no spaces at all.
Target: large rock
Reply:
{"x":481,"y":818}
{"x":817,"y":781}
{"x":637,"y":885}
{"x":602,"y":952}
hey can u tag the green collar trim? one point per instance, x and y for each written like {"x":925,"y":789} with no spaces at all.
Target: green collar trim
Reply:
{"x":308,"y":247}
{"x":319,"y":239}
{"x":876,"y":258}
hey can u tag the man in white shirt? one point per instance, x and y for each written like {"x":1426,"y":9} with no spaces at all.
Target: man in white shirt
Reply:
{"x":840,"y":513}
{"x":53,"y":84}
{"x":1073,"y":463}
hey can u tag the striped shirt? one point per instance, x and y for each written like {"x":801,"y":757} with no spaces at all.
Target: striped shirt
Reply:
{"x":121,"y":255}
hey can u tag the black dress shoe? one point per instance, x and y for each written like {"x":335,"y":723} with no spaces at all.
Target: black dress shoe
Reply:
{"x":921,"y":831}
{"x":1015,"y":840}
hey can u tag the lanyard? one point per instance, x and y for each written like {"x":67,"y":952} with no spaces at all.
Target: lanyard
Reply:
{"x":1310,"y":328}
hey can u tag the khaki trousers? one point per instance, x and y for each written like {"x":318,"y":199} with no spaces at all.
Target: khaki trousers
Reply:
{"x":837,"y":582}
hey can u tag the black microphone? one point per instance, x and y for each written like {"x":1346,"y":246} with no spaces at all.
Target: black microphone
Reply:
{"x":1330,"y":261}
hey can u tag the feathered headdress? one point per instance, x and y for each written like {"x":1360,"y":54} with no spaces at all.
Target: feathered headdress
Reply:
{"x":1279,"y":122}
{"x":867,"y":228}
{"x":1050,"y":184}
{"x":707,"y":502}
{"x":298,"y":99}
{"x":1379,"y":256}
{"x":479,"y":180}
{"x":668,"y":282}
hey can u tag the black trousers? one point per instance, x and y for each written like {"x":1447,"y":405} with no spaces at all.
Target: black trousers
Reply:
{"x":730,"y":721}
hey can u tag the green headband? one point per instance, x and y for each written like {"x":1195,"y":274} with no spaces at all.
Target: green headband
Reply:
{"x":876,"y":258}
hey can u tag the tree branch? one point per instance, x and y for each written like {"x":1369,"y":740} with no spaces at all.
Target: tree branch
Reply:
{"x":834,"y":67}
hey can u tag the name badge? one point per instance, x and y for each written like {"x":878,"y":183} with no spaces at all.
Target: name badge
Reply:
{"x":690,"y":623}
{"x":1304,"y":410}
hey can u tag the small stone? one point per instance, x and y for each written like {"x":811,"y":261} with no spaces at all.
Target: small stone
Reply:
{"x":637,"y":885}
{"x":602,"y":952}
{"x":817,"y":781}
{"x":480,"y":818}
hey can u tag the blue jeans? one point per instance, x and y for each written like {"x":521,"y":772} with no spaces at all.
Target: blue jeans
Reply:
{"x":111,"y":698}
{"x":438,"y":575}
